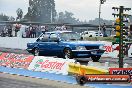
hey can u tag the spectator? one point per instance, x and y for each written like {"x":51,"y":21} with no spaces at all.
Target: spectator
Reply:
{"x":3,"y":34}
{"x":104,"y":30}
{"x":38,"y":31}
{"x":6,"y":31}
{"x":43,"y":29}
{"x":46,"y":28}
{"x":17,"y":28}
{"x":33,"y":32}
{"x":30,"y":31}
{"x":9,"y":31}
{"x":63,"y":27}
{"x":27,"y":32}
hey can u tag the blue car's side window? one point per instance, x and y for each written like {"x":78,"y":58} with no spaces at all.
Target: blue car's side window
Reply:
{"x":44,"y":38}
{"x":53,"y":37}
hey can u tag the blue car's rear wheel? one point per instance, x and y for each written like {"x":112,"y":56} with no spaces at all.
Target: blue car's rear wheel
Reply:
{"x":81,"y":80}
{"x":95,"y":58}
{"x":67,"y":53}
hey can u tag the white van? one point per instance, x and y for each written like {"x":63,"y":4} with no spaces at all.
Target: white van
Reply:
{"x":91,"y":34}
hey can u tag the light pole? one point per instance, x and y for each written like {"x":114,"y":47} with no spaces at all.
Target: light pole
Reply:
{"x":101,"y":2}
{"x":51,"y":16}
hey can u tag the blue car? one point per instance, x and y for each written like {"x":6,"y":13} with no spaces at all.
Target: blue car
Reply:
{"x":65,"y":44}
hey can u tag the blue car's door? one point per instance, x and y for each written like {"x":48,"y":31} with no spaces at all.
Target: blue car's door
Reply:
{"x":43,"y":44}
{"x":55,"y":47}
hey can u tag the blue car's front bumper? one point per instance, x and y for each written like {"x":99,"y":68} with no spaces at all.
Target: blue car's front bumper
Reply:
{"x":29,"y":50}
{"x":87,"y":53}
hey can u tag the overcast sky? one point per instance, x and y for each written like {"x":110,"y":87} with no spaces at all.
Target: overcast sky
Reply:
{"x":82,"y":9}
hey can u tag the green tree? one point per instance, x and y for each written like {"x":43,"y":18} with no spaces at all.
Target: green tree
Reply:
{"x":11,"y":18}
{"x":67,"y":17}
{"x":3,"y":17}
{"x":61,"y":18}
{"x":41,"y":11}
{"x":19,"y":13}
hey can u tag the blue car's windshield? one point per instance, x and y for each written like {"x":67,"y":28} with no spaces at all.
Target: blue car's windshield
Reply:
{"x":70,"y":36}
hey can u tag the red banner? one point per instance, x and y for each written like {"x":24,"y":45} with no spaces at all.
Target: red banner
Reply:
{"x":121,"y":71}
{"x":15,"y":60}
{"x":108,"y":78}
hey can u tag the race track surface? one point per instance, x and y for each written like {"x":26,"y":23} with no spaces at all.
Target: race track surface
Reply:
{"x":15,"y":81}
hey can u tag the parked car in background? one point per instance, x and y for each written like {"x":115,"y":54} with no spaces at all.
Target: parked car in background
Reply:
{"x":65,"y":44}
{"x":91,"y":34}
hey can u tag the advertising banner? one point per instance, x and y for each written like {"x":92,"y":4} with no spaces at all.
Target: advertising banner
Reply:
{"x":108,"y":78}
{"x":111,"y":52}
{"x":103,"y":78}
{"x":121,"y":71}
{"x":50,"y":64}
{"x":15,"y":60}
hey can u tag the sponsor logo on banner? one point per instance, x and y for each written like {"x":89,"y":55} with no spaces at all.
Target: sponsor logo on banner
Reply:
{"x":108,"y":78}
{"x":121,"y":71}
{"x":108,"y":48}
{"x":44,"y":64}
{"x":15,"y":60}
{"x":49,"y":64}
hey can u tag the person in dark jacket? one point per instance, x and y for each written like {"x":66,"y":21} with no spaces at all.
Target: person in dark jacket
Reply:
{"x":34,"y":32}
{"x":9,"y":31}
{"x":104,"y":30}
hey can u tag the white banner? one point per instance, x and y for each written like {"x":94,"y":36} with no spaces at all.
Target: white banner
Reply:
{"x":110,"y":52}
{"x":108,"y":47}
{"x":130,"y":52}
{"x":50,"y":64}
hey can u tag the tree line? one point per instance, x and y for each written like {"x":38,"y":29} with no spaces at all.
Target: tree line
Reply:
{"x":44,"y":11}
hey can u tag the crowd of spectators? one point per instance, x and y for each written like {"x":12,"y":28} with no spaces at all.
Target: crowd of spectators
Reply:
{"x":6,"y":31}
{"x":31,"y":31}
{"x":24,"y":31}
{"x":34,"y":31}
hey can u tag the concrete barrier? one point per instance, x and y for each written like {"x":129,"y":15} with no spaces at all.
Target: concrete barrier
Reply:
{"x":15,"y":42}
{"x":35,"y":63}
{"x":21,"y":43}
{"x":50,"y":64}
